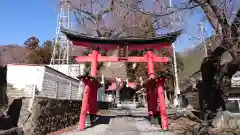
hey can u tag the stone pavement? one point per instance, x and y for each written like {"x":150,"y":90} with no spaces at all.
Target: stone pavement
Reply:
{"x":125,"y":122}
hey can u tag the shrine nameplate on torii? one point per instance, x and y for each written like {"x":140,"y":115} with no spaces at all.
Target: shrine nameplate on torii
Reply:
{"x":154,"y":85}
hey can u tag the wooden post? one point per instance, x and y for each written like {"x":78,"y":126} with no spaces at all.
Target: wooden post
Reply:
{"x":118,"y":81}
{"x":70,"y":91}
{"x":57,"y":85}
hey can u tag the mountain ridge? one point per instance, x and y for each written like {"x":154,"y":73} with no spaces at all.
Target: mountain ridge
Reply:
{"x":13,"y":53}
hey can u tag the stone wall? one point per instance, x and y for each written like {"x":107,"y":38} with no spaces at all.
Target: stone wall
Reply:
{"x":49,"y":115}
{"x":10,"y":117}
{"x":193,"y":99}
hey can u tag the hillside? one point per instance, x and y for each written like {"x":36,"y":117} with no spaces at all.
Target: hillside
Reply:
{"x":192,"y":60}
{"x":193,"y":57}
{"x":12,"y":54}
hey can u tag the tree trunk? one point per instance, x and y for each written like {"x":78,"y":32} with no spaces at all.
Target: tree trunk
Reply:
{"x":3,"y":86}
{"x":216,"y":78}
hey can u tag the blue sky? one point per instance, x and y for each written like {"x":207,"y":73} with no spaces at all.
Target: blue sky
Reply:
{"x":24,"y":18}
{"x":191,"y":30}
{"x":21,"y":19}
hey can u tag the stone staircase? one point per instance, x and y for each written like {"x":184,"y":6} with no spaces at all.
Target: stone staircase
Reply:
{"x":128,"y":105}
{"x":14,"y":93}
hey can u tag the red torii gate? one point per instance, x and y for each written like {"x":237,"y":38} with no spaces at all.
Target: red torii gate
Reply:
{"x":154,"y":85}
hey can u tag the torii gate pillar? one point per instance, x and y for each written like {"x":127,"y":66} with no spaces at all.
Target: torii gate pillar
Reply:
{"x":155,"y":93}
{"x":151,"y":93}
{"x":89,"y":102}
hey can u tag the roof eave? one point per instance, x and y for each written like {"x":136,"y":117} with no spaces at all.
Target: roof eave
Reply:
{"x":74,"y":36}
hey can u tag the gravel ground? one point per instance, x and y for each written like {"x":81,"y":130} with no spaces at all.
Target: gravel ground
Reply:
{"x":125,"y":122}
{"x":122,"y":126}
{"x":144,"y":128}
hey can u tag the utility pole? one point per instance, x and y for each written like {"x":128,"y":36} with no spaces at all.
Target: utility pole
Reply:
{"x":176,"y":88}
{"x":201,"y":26}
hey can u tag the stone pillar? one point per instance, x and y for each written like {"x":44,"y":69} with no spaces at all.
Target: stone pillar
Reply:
{"x":117,"y":94}
{"x":118,"y":81}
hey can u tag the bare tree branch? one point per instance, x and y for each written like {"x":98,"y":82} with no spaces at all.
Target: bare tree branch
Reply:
{"x":169,"y":13}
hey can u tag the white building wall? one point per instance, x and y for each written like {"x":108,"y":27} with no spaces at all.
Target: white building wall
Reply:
{"x":76,"y":69}
{"x":60,"y":86}
{"x":49,"y":82}
{"x":22,"y":76}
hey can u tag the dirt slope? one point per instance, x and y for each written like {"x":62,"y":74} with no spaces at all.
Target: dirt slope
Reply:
{"x":12,"y":54}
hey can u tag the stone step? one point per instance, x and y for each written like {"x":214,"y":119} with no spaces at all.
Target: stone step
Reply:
{"x":17,"y":93}
{"x":127,"y":106}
